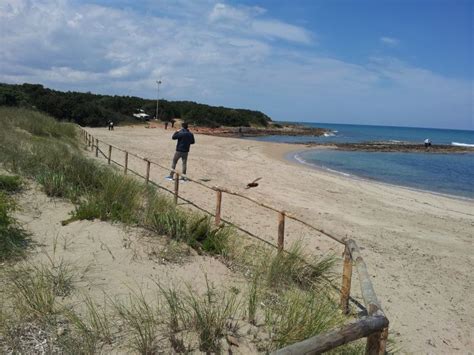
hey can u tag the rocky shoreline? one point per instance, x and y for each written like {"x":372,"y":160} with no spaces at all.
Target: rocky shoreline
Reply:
{"x":272,"y":130}
{"x":299,"y":130}
{"x":393,"y":147}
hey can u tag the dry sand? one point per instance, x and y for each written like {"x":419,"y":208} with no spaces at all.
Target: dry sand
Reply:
{"x":417,"y":245}
{"x":110,"y":261}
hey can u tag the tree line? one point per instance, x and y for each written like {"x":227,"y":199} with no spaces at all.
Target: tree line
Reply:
{"x":88,"y":109}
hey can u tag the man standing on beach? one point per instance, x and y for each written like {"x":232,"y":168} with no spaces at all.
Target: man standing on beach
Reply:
{"x":185,"y":139}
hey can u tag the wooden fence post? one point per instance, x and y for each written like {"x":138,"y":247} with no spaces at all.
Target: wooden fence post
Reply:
{"x":110,"y":154}
{"x":176,"y":189}
{"x":373,"y":344}
{"x":96,"y":147}
{"x":147,"y":177}
{"x":89,"y":140}
{"x":281,"y":231}
{"x":217,"y":220}
{"x":383,"y":341}
{"x":125,"y":165}
{"x":346,"y":280}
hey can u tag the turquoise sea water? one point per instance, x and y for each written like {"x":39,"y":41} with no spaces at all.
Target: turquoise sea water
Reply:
{"x":347,"y":133}
{"x":451,"y":174}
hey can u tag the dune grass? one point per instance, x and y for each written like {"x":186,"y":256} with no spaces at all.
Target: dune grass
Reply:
{"x":295,"y":267}
{"x":46,"y":151}
{"x":10,"y":183}
{"x":13,"y":238}
{"x":285,"y":297}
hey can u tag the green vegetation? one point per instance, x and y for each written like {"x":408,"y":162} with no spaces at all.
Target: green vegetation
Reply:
{"x":89,"y":109}
{"x":13,"y":239}
{"x":10,"y":184}
{"x":286,"y":301}
{"x":294,"y":267}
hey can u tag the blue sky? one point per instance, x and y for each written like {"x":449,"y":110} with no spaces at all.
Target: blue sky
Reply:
{"x":385,"y":62}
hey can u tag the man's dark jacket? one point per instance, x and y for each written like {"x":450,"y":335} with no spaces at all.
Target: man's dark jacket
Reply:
{"x":185,"y":139}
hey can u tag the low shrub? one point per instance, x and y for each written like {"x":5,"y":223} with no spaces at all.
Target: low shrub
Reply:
{"x":10,"y":183}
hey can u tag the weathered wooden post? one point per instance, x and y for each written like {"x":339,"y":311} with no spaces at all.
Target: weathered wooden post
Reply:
{"x":383,"y":341}
{"x":377,"y":342}
{"x":89,"y":139}
{"x":125,"y":165}
{"x":147,"y":176}
{"x":373,"y":344}
{"x":110,"y":155}
{"x":281,"y":231}
{"x":346,"y":280}
{"x":217,"y":220}
{"x":96,"y":147}
{"x":176,"y":189}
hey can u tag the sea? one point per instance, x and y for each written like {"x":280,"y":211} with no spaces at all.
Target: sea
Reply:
{"x":448,"y":174}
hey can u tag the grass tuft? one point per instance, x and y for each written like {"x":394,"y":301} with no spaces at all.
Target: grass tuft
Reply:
{"x":10,"y":184}
{"x":141,"y":320}
{"x":211,"y":316}
{"x":299,"y":315}
{"x":294,"y":267}
{"x":33,"y":292}
{"x":13,"y":238}
{"x":94,"y":327}
{"x":253,"y":299}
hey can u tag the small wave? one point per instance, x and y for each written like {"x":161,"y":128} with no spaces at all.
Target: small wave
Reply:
{"x":462,"y":144}
{"x":298,"y":158}
{"x":336,"y":171}
{"x":328,"y":134}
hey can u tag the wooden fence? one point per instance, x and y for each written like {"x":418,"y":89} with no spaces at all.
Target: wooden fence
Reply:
{"x":373,"y":325}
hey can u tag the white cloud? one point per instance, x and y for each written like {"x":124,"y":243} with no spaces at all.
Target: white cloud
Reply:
{"x":248,"y":21}
{"x":223,"y":12}
{"x":218,"y":54}
{"x":390,"y":41}
{"x":278,"y":29}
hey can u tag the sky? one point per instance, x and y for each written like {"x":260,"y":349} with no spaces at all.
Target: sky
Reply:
{"x":382,"y":62}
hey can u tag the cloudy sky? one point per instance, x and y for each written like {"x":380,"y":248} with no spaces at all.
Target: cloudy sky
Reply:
{"x":387,"y":62}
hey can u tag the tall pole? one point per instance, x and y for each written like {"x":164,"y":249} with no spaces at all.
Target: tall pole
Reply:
{"x":158,"y":82}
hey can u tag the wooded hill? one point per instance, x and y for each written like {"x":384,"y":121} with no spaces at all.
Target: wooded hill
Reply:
{"x":89,"y":109}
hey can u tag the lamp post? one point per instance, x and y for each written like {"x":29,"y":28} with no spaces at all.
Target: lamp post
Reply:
{"x":158,"y":82}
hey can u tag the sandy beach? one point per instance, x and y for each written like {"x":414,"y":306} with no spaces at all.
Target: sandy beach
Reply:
{"x":417,"y":245}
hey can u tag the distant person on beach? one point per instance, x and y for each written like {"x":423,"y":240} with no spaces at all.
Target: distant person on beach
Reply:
{"x":185,"y":139}
{"x":172,"y":123}
{"x":111,"y":125}
{"x":427,"y":143}
{"x":166,"y":124}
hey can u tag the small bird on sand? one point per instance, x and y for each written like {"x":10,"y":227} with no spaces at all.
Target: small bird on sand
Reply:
{"x":253,"y":183}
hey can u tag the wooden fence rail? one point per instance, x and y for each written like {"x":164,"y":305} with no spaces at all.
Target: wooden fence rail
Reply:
{"x":374,"y":326}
